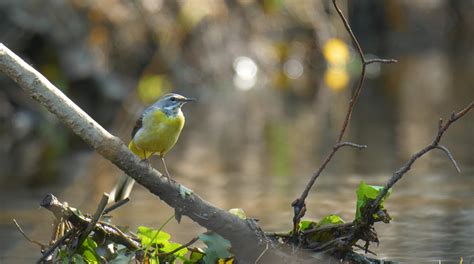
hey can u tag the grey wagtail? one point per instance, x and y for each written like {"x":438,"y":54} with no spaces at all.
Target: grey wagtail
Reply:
{"x":155,"y":133}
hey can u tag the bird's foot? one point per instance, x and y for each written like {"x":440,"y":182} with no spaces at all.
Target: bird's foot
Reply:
{"x":145,"y":161}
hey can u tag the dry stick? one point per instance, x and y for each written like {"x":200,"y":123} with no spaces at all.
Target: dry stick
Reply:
{"x":116,"y":205}
{"x":179,"y":248}
{"x":55,"y":245}
{"x":367,"y":62}
{"x":450,"y":157}
{"x":434,"y":145}
{"x":299,"y":204}
{"x":261,"y":255}
{"x":328,"y":227}
{"x":365,"y":249}
{"x":97,"y":215}
{"x":41,"y":245}
{"x":63,"y":211}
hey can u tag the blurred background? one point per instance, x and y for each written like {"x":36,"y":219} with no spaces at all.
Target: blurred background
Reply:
{"x":273,"y":79}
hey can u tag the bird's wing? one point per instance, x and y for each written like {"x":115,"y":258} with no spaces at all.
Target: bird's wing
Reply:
{"x":137,"y":126}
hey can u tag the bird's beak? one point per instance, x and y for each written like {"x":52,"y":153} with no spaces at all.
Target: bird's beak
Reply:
{"x":189,"y":100}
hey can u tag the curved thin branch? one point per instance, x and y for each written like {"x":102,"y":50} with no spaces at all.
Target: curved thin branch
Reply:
{"x":41,"y":245}
{"x":450,"y":157}
{"x":356,"y":94}
{"x":56,"y":244}
{"x":433,"y":145}
{"x":367,"y":62}
{"x":350,"y":144}
{"x":97,"y":215}
{"x":116,"y":205}
{"x":368,"y":220}
{"x":298,"y":205}
{"x":192,"y":241}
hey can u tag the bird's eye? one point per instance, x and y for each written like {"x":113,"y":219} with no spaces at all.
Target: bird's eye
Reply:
{"x":173,"y":99}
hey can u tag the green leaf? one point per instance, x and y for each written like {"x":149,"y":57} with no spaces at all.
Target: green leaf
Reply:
{"x":168,"y":247}
{"x":90,"y":257}
{"x":323,"y":236}
{"x":217,"y":247}
{"x":368,"y":193}
{"x":238,"y":212}
{"x":87,"y":251}
{"x":196,"y":256}
{"x":89,"y":243}
{"x":330,"y":220}
{"x":149,"y":236}
{"x":153,"y":260}
{"x":306,"y":224}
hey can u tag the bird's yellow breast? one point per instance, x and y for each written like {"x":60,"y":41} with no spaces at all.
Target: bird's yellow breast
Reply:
{"x":157,"y":135}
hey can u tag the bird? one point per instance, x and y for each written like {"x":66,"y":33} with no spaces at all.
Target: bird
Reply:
{"x":155,"y":133}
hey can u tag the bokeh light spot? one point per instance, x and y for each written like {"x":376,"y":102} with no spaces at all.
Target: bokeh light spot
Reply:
{"x":293,"y":68}
{"x":336,"y":78}
{"x":245,"y":73}
{"x":336,"y":52}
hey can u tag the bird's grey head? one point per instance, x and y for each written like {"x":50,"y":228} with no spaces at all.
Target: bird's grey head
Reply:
{"x":171,"y":103}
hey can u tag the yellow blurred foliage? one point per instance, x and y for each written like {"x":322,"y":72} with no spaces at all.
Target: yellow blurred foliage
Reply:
{"x":336,"y":52}
{"x":192,"y":11}
{"x":336,"y":78}
{"x":151,"y":87}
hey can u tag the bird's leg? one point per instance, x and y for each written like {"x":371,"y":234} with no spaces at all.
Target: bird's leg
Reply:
{"x":166,"y":168}
{"x":146,"y":159}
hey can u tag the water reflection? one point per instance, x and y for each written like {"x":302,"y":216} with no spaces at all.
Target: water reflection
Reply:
{"x":433,"y":213}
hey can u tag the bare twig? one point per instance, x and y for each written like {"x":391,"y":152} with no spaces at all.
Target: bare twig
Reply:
{"x":367,"y":62}
{"x":442,"y":127}
{"x":261,"y":254}
{"x":350,"y":144}
{"x":366,"y":223}
{"x":58,"y":243}
{"x":97,"y":215}
{"x":329,"y":244}
{"x":450,"y":157}
{"x":78,"y":222}
{"x":328,"y":227}
{"x":365,"y":249}
{"x":180,"y":247}
{"x":299,"y":206}
{"x":41,"y":245}
{"x":116,"y":205}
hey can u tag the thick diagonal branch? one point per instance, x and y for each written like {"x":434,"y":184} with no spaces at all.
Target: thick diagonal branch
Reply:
{"x":244,"y":241}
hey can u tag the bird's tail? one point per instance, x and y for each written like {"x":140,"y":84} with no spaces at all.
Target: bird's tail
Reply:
{"x":124,"y":185}
{"x":122,"y":188}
